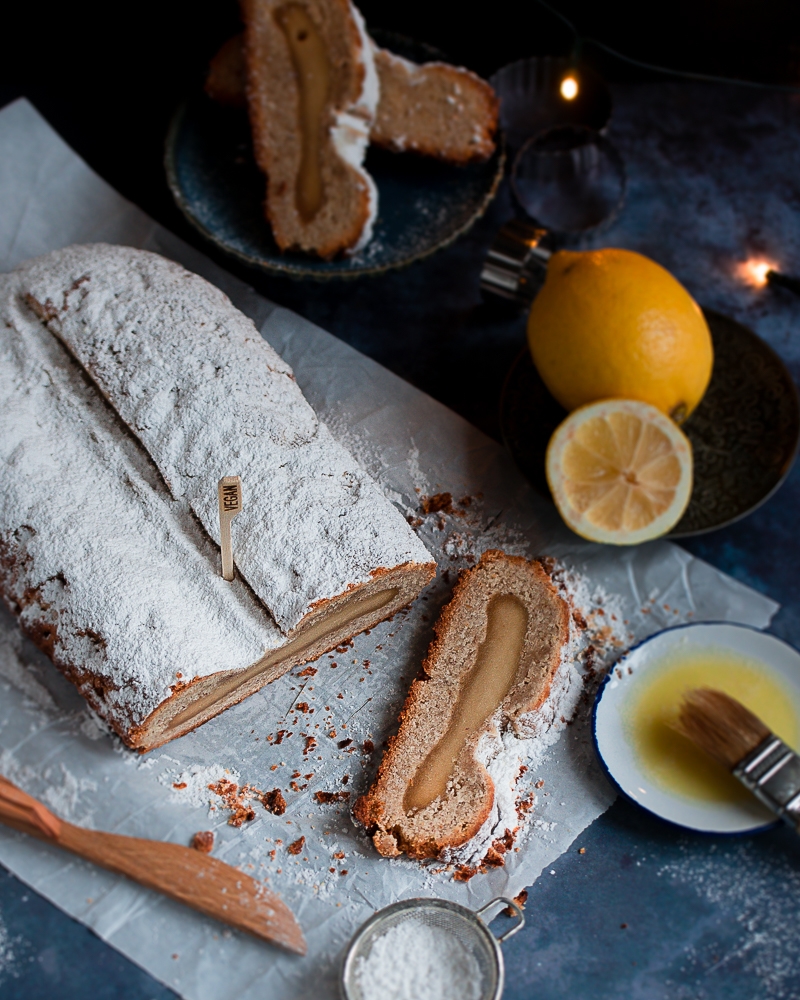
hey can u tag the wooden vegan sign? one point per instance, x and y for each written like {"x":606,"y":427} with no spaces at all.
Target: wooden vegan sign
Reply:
{"x":229,"y":491}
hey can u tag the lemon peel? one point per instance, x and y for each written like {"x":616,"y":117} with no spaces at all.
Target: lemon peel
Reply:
{"x":612,"y":323}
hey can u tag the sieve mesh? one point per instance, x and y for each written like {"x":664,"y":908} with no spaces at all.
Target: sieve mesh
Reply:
{"x":458,"y":922}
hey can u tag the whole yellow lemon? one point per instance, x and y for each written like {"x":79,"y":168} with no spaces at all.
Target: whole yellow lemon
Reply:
{"x":613,"y":324}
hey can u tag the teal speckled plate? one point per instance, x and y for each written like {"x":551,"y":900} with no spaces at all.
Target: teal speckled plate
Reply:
{"x":422,"y":205}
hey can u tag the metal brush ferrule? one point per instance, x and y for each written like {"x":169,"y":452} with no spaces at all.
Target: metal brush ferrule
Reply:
{"x":772,"y":773}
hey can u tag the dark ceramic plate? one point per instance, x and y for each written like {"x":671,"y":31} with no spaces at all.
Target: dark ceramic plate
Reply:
{"x":422,"y":205}
{"x":744,"y":433}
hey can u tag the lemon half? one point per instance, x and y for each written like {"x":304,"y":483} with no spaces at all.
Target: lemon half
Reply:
{"x":620,"y":471}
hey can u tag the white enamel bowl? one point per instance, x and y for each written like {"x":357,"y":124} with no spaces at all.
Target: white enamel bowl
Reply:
{"x":618,"y":754}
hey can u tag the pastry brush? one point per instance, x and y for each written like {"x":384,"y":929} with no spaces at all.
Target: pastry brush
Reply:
{"x":203,"y":883}
{"x":741,"y":742}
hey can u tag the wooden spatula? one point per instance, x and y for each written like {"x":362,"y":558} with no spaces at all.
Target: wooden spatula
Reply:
{"x":199,"y":881}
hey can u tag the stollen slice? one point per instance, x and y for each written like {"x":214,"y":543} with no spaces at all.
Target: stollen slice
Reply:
{"x":435,"y":109}
{"x":498,"y":646}
{"x":312,"y":91}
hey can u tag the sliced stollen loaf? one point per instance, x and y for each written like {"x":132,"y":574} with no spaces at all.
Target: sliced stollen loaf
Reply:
{"x":498,"y":645}
{"x":312,"y":91}
{"x":108,"y":509}
{"x":437,"y":110}
{"x":434,"y":109}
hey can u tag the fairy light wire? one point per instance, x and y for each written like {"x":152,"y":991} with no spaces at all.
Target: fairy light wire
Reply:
{"x":581,"y":40}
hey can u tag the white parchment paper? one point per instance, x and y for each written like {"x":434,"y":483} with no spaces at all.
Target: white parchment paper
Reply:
{"x":52,"y":747}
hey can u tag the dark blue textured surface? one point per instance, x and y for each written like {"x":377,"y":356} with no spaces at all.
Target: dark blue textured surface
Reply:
{"x":45,"y":955}
{"x":713,"y":177}
{"x":648,"y":913}
{"x":762,"y":552}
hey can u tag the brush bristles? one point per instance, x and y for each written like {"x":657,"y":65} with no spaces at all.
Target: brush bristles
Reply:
{"x":720,"y":725}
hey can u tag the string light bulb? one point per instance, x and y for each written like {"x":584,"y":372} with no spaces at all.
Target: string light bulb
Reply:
{"x":569,"y":88}
{"x":754,"y":272}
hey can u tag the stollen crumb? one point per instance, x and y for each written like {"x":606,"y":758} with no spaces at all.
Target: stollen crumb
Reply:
{"x":203,"y":841}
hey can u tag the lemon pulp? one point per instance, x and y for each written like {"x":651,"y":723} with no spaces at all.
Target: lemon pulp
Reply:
{"x":668,"y":759}
{"x":619,"y":471}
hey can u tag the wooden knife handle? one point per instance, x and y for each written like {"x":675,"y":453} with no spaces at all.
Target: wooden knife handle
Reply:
{"x":188,"y":876}
{"x":22,"y":812}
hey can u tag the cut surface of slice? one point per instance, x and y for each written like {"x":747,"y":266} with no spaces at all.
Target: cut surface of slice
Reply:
{"x":435,"y":109}
{"x":312,"y":91}
{"x":620,"y":471}
{"x":498,"y":646}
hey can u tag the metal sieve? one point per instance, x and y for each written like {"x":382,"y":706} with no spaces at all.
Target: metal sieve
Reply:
{"x":465,"y":925}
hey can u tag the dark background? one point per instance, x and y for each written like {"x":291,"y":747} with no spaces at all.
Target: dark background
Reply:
{"x":108,"y":78}
{"x":109,"y":84}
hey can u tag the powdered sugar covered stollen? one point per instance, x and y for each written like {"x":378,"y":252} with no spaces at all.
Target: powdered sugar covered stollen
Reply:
{"x":108,"y":573}
{"x":208,"y":397}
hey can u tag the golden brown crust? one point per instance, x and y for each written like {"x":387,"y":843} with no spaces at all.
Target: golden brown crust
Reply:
{"x":376,"y":574}
{"x":381,"y":810}
{"x":226,"y":80}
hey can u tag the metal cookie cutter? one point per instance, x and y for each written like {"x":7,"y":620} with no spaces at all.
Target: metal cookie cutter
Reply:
{"x":516,"y":264}
{"x":465,"y":925}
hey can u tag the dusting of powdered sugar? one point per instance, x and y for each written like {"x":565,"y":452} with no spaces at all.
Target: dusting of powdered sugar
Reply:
{"x":93,"y":727}
{"x":760,"y":891}
{"x":20,"y":674}
{"x":603,"y":633}
{"x":415,"y":960}
{"x":65,"y":794}
{"x":8,"y":957}
{"x":208,"y":397}
{"x":74,"y":477}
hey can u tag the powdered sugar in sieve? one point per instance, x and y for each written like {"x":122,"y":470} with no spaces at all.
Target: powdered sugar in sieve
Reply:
{"x":427,"y":949}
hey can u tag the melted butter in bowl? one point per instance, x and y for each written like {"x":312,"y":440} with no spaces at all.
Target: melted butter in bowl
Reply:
{"x":671,"y":760}
{"x":659,"y":768}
